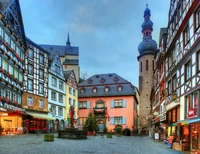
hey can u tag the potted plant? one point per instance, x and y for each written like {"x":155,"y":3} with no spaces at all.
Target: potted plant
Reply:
{"x":118,"y":131}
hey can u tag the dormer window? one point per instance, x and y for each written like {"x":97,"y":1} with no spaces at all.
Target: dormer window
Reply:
{"x":82,"y":90}
{"x":107,"y":89}
{"x":116,"y":79}
{"x":94,"y":90}
{"x":119,"y":88}
{"x":102,"y":80}
{"x":89,"y":80}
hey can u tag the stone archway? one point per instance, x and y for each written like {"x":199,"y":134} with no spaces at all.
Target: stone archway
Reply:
{"x":126,"y":132}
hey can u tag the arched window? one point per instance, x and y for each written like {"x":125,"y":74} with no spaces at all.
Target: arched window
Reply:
{"x":147,"y":65}
{"x":119,"y":88}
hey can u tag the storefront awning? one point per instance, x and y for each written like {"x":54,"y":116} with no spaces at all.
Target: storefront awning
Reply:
{"x":185,"y":122}
{"x":40,"y":115}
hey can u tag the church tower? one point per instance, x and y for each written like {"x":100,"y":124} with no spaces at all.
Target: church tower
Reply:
{"x":147,"y":50}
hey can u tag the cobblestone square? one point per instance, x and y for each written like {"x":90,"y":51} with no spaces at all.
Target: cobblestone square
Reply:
{"x":31,"y":144}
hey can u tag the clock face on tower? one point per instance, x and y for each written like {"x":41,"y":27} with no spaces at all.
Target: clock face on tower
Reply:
{"x":146,"y":42}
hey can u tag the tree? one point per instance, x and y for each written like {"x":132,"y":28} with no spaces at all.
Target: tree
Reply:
{"x":91,"y":123}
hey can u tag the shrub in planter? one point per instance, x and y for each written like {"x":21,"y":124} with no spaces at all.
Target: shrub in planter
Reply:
{"x":48,"y":137}
{"x":109,"y":135}
{"x":118,"y":131}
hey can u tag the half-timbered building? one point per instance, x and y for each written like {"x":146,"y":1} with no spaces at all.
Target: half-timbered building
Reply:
{"x":12,"y":65}
{"x":182,"y":64}
{"x":71,"y":97}
{"x":56,"y":93}
{"x":35,"y":96}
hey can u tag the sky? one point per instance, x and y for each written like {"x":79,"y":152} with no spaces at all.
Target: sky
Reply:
{"x":107,"y":32}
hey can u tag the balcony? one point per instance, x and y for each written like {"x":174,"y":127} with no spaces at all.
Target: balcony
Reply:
{"x":98,"y":110}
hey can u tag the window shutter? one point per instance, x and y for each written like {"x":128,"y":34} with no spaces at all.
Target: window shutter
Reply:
{"x":78,"y":104}
{"x":124,"y":103}
{"x":124,"y":120}
{"x":88,"y":105}
{"x":112,"y":103}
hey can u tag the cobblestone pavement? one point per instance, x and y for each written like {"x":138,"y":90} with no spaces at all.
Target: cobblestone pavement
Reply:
{"x":31,"y":144}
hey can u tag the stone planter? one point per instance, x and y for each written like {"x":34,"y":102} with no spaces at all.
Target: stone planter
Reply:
{"x":48,"y":137}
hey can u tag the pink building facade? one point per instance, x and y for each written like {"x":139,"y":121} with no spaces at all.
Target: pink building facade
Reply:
{"x":112,"y":100}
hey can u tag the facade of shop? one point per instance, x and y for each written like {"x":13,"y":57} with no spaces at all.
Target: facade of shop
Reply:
{"x":182,"y":61}
{"x":71,"y":97}
{"x":12,"y":66}
{"x":56,"y":93}
{"x":111,"y":99}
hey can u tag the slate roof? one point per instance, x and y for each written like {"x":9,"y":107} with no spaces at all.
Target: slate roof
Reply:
{"x":67,"y":74}
{"x":110,"y":81}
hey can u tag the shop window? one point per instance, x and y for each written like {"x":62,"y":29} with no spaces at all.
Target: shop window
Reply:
{"x":41,"y":103}
{"x":30,"y":69}
{"x":188,"y":70}
{"x":30,"y":101}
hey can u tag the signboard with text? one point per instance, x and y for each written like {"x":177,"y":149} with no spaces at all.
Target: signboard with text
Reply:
{"x":190,"y":112}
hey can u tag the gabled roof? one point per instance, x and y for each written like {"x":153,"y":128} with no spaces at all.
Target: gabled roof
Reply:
{"x":70,"y":78}
{"x":100,"y":81}
{"x":10,"y":9}
{"x":67,"y":73}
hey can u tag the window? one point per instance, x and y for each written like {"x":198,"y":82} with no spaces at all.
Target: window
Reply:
{"x":94,"y":90}
{"x":147,"y":65}
{"x":117,"y":120}
{"x":30,"y":101}
{"x":41,"y":74}
{"x":41,"y":103}
{"x":41,"y":88}
{"x":60,"y":111}
{"x":30,"y":69}
{"x":8,"y":94}
{"x":140,"y":66}
{"x":178,"y":114}
{"x":57,"y":69}
{"x":118,"y":103}
{"x":53,"y":110}
{"x":100,"y":105}
{"x":60,"y":98}
{"x":188,"y":104}
{"x":197,"y":19}
{"x":53,"y":95}
{"x":74,"y":102}
{"x":5,"y":65}
{"x":186,"y":36}
{"x":7,"y":38}
{"x":14,"y":97}
{"x":19,"y":99}
{"x":169,"y":117}
{"x":82,"y":90}
{"x":83,"y":105}
{"x":119,"y":88}
{"x":174,"y":86}
{"x":107,"y":89}
{"x":30,"y":53}
{"x":61,"y":85}
{"x":3,"y":92}
{"x":16,"y":74}
{"x":74,"y":92}
{"x":169,"y":87}
{"x":11,"y":70}
{"x":17,"y":50}
{"x":20,"y":77}
{"x":30,"y":85}
{"x":41,"y":59}
{"x":12,"y":44}
{"x":198,"y":61}
{"x":1,"y":32}
{"x":70,"y":90}
{"x":188,"y":70}
{"x":70,"y":101}
{"x":54,"y":81}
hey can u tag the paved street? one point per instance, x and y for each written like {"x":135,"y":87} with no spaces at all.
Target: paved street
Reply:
{"x":31,"y":144}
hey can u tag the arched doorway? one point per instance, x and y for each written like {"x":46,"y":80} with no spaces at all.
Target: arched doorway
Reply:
{"x":126,"y":132}
{"x":101,"y":125}
{"x":56,"y":124}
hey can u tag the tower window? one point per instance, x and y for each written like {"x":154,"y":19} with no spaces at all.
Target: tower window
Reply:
{"x":140,"y":66}
{"x":152,"y":64}
{"x":147,"y":66}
